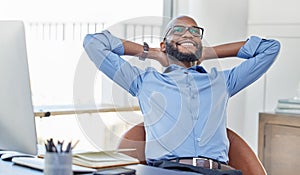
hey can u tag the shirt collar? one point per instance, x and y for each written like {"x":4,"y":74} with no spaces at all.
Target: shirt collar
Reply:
{"x":173,"y":67}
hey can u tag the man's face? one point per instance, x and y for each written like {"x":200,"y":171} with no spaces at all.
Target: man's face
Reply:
{"x":183,"y":40}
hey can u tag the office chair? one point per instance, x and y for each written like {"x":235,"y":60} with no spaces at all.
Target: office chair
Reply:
{"x":241,"y":156}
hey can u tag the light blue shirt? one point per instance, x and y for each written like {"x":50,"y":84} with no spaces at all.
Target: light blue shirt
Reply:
{"x":184,"y":109}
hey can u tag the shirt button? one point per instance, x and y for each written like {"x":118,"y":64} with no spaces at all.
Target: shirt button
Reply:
{"x":198,"y":139}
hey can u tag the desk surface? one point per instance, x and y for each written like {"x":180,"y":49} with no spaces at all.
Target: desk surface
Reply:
{"x":8,"y":168}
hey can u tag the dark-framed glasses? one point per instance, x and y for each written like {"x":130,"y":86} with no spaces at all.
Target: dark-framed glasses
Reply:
{"x":180,"y":30}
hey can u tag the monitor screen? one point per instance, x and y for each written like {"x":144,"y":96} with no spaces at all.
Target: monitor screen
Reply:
{"x":17,"y":122}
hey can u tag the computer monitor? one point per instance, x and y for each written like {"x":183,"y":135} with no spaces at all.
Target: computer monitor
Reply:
{"x":17,"y":122}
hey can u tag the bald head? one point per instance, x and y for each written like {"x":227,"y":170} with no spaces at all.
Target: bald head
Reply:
{"x":180,"y":20}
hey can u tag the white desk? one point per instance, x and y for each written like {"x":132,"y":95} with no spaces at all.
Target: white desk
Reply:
{"x":8,"y":168}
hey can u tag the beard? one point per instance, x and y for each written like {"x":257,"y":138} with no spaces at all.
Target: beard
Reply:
{"x":174,"y":53}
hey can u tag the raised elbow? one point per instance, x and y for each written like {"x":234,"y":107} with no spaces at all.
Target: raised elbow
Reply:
{"x":87,"y":40}
{"x":274,"y":48}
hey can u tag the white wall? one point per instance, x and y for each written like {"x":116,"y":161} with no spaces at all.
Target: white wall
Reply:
{"x":281,"y":21}
{"x":237,"y":19}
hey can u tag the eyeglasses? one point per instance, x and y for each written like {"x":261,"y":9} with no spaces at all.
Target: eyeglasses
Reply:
{"x":180,"y":30}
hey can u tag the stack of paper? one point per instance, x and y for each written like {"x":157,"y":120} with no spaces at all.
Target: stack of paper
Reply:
{"x":290,"y":106}
{"x":103,"y":159}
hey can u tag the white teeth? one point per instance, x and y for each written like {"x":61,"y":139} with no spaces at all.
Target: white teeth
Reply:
{"x":187,"y":44}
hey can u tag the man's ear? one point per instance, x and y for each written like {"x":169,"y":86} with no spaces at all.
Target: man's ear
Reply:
{"x":163,"y":46}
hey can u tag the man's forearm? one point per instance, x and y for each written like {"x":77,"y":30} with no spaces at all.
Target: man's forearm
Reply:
{"x":222,"y":51}
{"x":135,"y":49}
{"x":131,"y":48}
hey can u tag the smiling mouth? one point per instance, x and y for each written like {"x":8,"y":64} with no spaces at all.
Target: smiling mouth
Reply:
{"x":186,"y":44}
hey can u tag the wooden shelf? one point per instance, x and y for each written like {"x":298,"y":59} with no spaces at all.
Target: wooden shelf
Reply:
{"x":278,"y":142}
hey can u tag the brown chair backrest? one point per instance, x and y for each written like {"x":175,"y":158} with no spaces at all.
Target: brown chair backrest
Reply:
{"x":135,"y":138}
{"x":241,"y":156}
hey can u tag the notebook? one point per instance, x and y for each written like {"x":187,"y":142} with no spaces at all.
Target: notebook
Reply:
{"x":38,"y":163}
{"x":103,"y":159}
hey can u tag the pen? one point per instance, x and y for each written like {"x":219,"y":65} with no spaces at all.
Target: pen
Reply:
{"x":68,"y":147}
{"x":75,"y":144}
{"x":58,"y":148}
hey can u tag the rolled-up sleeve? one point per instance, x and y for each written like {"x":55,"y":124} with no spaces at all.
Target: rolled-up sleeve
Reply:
{"x":105,"y":51}
{"x":260,"y":55}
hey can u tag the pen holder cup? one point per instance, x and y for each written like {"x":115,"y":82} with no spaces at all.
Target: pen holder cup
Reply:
{"x":58,"y":163}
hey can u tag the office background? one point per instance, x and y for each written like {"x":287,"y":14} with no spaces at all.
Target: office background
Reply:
{"x":53,"y":57}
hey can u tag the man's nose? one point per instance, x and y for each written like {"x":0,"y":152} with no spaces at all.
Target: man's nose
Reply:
{"x":187,"y":33}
